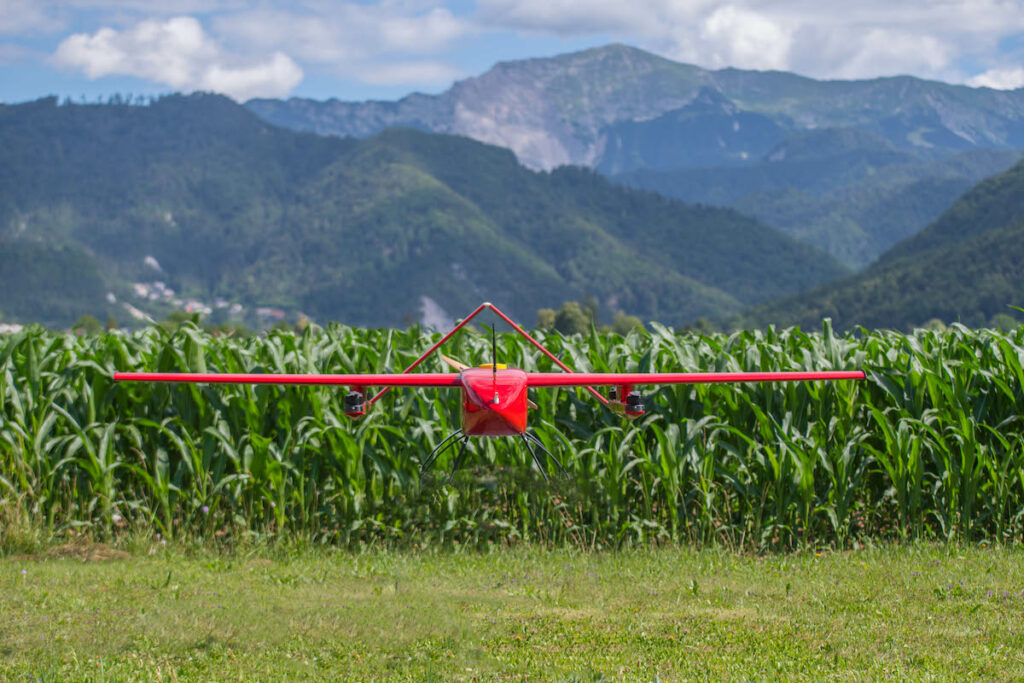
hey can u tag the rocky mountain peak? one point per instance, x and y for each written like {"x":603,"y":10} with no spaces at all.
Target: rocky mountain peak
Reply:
{"x":553,"y":111}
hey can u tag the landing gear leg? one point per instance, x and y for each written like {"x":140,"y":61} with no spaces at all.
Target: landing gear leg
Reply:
{"x":458,"y":458}
{"x":536,"y":459}
{"x":440,"y":448}
{"x":532,"y":438}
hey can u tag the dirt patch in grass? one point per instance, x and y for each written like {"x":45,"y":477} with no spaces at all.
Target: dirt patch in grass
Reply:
{"x":260,"y":562}
{"x":78,"y":550}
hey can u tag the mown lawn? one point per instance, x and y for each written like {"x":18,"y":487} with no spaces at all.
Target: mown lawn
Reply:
{"x":913,"y":612}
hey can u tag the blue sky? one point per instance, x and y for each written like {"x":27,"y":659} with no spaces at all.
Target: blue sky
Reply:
{"x":382,"y":50}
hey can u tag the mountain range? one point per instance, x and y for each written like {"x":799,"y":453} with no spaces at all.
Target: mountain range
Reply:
{"x":617,"y":108}
{"x":851,"y":167}
{"x":771,"y":188}
{"x":195,"y":201}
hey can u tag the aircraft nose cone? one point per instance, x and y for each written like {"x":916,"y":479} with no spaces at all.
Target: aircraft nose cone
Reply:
{"x":494,"y":403}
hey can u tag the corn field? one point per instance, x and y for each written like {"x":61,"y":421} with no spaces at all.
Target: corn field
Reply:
{"x":929,"y":447}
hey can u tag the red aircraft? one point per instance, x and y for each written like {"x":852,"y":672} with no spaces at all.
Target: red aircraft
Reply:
{"x":494,"y":397}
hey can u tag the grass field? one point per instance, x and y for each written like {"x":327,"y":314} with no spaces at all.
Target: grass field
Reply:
{"x":161,"y":613}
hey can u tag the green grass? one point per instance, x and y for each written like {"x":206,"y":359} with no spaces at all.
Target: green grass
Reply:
{"x":166,"y":613}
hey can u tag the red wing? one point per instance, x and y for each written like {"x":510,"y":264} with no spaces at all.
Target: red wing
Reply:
{"x":424,"y":379}
{"x":575,"y":379}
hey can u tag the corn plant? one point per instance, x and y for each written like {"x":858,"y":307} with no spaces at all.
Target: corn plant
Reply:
{"x":929,"y":446}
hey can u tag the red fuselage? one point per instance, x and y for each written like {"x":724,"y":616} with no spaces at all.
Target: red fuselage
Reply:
{"x":493,"y":403}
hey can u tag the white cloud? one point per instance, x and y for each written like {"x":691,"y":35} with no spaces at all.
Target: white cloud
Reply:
{"x":572,"y":17}
{"x":382,"y":43}
{"x":426,"y":33}
{"x":178,"y":53}
{"x":880,"y":51}
{"x":345,"y":31}
{"x":745,"y":39}
{"x":1009,"y":78}
{"x":273,"y":77}
{"x":308,"y":37}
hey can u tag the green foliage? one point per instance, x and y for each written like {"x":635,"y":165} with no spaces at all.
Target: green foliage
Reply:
{"x":573,"y":319}
{"x":576,"y":318}
{"x":346,"y":230}
{"x":701,"y":326}
{"x":623,"y":324}
{"x":928,"y":447}
{"x":176,"y":319}
{"x":546,"y":319}
{"x":87,"y":325}
{"x":1004,"y":322}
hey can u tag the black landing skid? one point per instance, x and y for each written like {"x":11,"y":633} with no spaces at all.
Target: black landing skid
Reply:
{"x":529,"y":440}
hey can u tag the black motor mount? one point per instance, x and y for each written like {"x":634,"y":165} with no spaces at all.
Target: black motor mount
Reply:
{"x":635,"y":404}
{"x":355,"y":404}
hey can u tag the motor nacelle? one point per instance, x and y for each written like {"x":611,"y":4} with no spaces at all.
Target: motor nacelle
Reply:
{"x":624,"y":401}
{"x":355,"y":404}
{"x":634,"y":404}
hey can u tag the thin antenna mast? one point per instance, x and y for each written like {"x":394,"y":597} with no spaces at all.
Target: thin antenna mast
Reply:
{"x":494,"y":363}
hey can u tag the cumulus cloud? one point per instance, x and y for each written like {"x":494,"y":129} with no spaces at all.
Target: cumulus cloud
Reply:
{"x":744,"y":38}
{"x":428,"y":32}
{"x":178,"y":53}
{"x":1009,"y":78}
{"x":383,"y":43}
{"x":881,"y":51}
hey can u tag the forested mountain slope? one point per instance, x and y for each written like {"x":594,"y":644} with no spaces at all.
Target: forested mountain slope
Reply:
{"x":850,"y":193}
{"x":199,"y":194}
{"x":967,"y":266}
